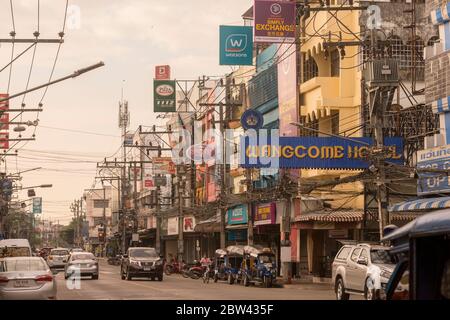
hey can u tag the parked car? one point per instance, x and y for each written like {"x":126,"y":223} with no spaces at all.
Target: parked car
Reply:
{"x":142,"y":262}
{"x":82,"y":264}
{"x":76,"y":250}
{"x":15,"y":248}
{"x":362,"y":269}
{"x":58,"y":258}
{"x":26,"y":278}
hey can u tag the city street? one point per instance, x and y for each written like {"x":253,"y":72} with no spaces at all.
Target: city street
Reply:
{"x":110,"y":286}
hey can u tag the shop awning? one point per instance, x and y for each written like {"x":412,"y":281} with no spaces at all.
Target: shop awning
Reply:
{"x":340,"y":215}
{"x":421,"y":204}
{"x":208,"y":226}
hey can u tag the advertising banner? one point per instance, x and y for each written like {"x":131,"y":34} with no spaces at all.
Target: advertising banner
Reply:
{"x":4,"y":105}
{"x":4,"y":121}
{"x":237,"y":215}
{"x":315,"y":152}
{"x":148,"y":178}
{"x":287,"y":90}
{"x":4,"y":140}
{"x":162,"y":72}
{"x":172,"y":226}
{"x":430,"y":182}
{"x":135,"y":173}
{"x":265,"y":214}
{"x":163,"y":165}
{"x":164,"y":96}
{"x":274,"y":21}
{"x":37,"y":205}
{"x":188,"y":224}
{"x":236,"y":46}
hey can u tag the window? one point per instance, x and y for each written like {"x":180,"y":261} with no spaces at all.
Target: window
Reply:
{"x":310,"y":69}
{"x":343,"y":254}
{"x":24,"y":265}
{"x":364,"y":254}
{"x":100,"y":203}
{"x":335,"y":63}
{"x":355,"y":254}
{"x":98,"y":221}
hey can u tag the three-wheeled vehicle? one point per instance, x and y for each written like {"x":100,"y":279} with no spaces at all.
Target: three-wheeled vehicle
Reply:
{"x":258,"y":266}
{"x":233,"y":263}
{"x":220,"y":265}
{"x":423,"y":249}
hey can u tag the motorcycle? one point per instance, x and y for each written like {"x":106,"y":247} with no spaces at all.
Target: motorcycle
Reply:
{"x":115,"y":261}
{"x":209,"y":273}
{"x":173,"y":267}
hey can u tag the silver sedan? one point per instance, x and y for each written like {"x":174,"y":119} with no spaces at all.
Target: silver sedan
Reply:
{"x":82,"y":264}
{"x":26,"y":278}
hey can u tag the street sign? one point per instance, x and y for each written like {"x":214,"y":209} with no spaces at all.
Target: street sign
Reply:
{"x":135,"y":237}
{"x":162,"y":72}
{"x":160,"y":181}
{"x":37,"y":205}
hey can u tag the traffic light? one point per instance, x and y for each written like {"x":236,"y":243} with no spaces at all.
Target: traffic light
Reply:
{"x":101,"y":234}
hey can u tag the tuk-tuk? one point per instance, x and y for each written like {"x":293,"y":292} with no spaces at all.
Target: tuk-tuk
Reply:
{"x":259,"y":266}
{"x":220,"y":265}
{"x":423,"y":249}
{"x":233,"y":263}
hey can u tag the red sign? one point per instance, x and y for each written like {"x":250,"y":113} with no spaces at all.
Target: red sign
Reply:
{"x":265,"y":214}
{"x":4,"y":121}
{"x":162,"y":72}
{"x":163,"y":165}
{"x":4,"y":105}
{"x":4,"y":140}
{"x":148,"y":183}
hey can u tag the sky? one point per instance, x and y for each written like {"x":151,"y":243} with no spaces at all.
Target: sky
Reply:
{"x":79,"y":124}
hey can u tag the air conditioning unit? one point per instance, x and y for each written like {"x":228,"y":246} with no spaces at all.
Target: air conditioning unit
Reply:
{"x":382,"y":73}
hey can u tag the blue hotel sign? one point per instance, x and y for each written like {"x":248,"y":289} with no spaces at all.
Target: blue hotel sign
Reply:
{"x":314,"y":152}
{"x":435,"y":158}
{"x":236,"y":46}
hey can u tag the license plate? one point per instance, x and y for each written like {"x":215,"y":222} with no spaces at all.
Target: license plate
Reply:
{"x":22,"y":283}
{"x":147,"y":268}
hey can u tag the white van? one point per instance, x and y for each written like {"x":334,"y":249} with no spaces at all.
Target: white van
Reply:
{"x":15,"y":248}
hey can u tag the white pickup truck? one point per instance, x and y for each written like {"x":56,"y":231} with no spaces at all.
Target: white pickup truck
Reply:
{"x":362,"y":269}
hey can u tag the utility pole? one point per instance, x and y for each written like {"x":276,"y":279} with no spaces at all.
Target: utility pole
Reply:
{"x":124,"y":122}
{"x":105,"y":222}
{"x":158,"y":212}
{"x":180,"y":214}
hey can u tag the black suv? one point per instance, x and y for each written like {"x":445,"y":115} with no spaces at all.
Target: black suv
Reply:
{"x":142,"y":262}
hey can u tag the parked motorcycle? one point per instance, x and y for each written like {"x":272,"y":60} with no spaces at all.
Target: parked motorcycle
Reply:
{"x":173,"y":267}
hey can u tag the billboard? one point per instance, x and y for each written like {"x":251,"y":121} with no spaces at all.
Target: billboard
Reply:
{"x":4,"y":121}
{"x":37,"y":205}
{"x":164,"y":96}
{"x":265,"y":214}
{"x":4,"y":105}
{"x":314,"y":152}
{"x":188,"y":224}
{"x":135,"y":173}
{"x":274,"y":21}
{"x":4,"y":140}
{"x":163,"y":165}
{"x":172,"y":226}
{"x":237,"y":215}
{"x":429,"y":182}
{"x":162,"y":72}
{"x":236,"y":46}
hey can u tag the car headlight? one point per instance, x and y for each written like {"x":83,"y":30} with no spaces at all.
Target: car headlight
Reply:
{"x":135,"y":263}
{"x":158,"y":263}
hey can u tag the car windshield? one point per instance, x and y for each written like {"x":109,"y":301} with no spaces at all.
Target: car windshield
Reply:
{"x":59,"y":253}
{"x":22,"y":265}
{"x":382,"y":257}
{"x":84,"y":256}
{"x":14,"y":252}
{"x":143,"y":253}
{"x":266,"y":259}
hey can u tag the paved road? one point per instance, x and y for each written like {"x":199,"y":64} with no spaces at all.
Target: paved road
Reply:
{"x":110,"y":286}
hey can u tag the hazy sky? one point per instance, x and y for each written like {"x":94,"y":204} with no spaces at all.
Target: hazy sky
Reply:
{"x":131,"y":37}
